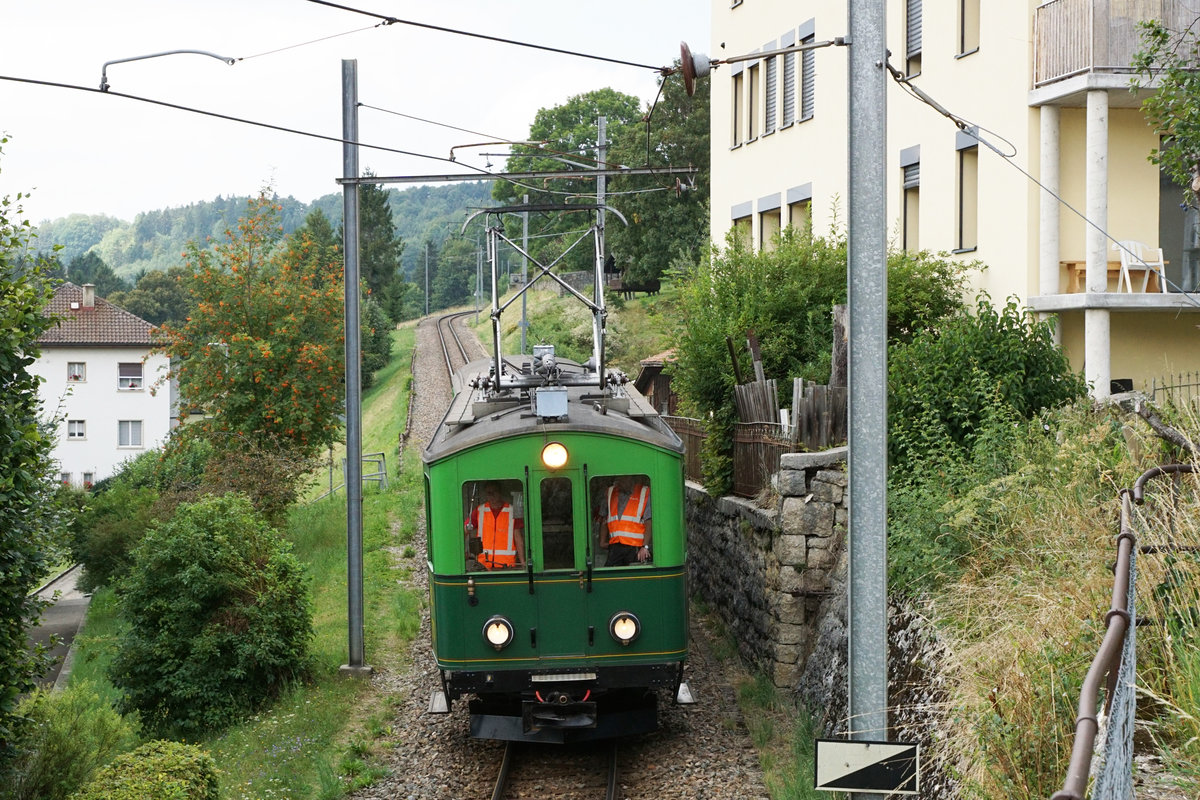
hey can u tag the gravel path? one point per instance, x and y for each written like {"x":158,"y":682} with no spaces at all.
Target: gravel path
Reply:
{"x":700,"y":751}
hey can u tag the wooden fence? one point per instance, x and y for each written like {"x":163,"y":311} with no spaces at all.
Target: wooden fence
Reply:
{"x":818,"y":422}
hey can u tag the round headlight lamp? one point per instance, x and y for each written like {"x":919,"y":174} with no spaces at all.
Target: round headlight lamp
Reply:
{"x":554,"y":455}
{"x":624,"y":627}
{"x":498,"y":632}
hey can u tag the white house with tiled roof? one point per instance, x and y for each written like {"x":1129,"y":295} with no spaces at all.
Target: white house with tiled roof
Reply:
{"x":99,"y":379}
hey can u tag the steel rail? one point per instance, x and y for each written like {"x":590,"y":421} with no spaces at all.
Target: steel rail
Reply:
{"x":510,"y":749}
{"x":1106,"y":665}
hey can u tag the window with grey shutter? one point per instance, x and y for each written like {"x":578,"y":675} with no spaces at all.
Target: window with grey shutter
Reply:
{"x":808,"y":77}
{"x":913,"y":29}
{"x":912,"y":175}
{"x":769,"y":101}
{"x":912,"y":38}
{"x":789,"y":89}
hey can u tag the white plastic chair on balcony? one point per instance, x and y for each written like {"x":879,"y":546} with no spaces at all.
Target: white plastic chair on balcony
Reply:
{"x":1139,"y":257}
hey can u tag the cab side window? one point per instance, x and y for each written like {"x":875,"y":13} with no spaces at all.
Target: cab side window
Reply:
{"x":493,"y":525}
{"x":622,"y":519}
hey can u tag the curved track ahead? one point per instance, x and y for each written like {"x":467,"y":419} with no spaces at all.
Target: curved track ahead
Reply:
{"x":453,"y":349}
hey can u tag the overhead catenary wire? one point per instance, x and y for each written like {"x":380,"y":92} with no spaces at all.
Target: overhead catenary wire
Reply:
{"x":390,"y":20}
{"x":484,"y":173}
{"x":973,"y":130}
{"x":310,"y":41}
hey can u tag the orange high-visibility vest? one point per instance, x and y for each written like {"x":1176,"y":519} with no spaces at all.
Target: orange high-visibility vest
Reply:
{"x":496,"y":532}
{"x":625,"y":526}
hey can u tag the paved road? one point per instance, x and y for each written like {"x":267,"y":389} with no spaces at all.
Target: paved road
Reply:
{"x":63,"y":618}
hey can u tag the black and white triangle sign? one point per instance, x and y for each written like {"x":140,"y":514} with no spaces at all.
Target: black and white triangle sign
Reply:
{"x":857,"y":766}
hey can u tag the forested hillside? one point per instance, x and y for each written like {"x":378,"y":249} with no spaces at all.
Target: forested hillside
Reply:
{"x":154,"y":240}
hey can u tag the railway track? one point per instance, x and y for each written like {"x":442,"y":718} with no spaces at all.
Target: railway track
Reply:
{"x":453,"y":349}
{"x":558,"y":771}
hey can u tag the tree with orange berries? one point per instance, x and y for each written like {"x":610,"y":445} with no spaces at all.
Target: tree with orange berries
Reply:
{"x":262,"y":352}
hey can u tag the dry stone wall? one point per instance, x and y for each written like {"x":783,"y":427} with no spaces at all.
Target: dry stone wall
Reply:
{"x":766,"y":571}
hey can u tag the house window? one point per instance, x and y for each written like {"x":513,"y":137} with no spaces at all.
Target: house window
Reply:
{"x":912,"y":38}
{"x":968,"y":26}
{"x":129,"y":433}
{"x":800,"y":216}
{"x":89,"y":478}
{"x":789,"y":89}
{"x":736,"y":111}
{"x":743,"y":229}
{"x":768,"y":230}
{"x":64,"y":478}
{"x":968,"y":198}
{"x":808,"y":79}
{"x":770,"y":99}
{"x":76,"y":429}
{"x":76,"y":371}
{"x":753,"y":91}
{"x":129,"y":376}
{"x":912,"y":206}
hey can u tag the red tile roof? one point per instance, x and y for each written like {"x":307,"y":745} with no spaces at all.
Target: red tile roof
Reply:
{"x":104,"y":324}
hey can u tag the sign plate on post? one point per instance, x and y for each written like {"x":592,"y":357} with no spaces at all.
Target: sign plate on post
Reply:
{"x":857,"y":766}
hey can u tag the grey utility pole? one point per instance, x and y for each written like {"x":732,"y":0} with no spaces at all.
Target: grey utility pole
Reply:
{"x":867,"y":612}
{"x":524,"y":271}
{"x":354,"y":528}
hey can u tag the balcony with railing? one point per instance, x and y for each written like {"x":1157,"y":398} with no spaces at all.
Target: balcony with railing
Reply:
{"x":1076,"y":37}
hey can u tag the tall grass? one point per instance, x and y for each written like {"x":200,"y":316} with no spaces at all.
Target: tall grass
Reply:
{"x":1169,"y":602}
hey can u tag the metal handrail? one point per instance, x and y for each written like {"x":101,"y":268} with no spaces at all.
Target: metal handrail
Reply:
{"x":1106,"y":665}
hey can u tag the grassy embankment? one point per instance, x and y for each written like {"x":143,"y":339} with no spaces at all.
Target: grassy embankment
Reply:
{"x":316,"y":741}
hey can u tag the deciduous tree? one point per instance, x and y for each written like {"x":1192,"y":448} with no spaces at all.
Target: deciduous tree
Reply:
{"x":570,"y":133}
{"x":667,"y":215}
{"x":262,"y":350}
{"x":1169,"y":57}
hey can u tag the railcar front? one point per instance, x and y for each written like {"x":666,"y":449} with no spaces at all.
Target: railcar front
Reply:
{"x":554,"y":631}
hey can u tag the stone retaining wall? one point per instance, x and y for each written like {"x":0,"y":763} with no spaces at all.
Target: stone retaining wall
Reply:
{"x":767,"y":571}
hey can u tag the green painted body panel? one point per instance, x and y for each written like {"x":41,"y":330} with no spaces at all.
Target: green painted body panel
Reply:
{"x":561,"y":608}
{"x":561,"y":611}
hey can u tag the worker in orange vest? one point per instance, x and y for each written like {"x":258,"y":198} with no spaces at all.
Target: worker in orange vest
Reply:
{"x":628,"y":524}
{"x":499,"y":530}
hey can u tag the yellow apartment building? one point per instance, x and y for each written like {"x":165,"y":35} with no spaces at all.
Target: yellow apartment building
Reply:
{"x":1046,"y":87}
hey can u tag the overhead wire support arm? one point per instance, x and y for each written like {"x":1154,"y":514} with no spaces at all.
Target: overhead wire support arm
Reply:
{"x":104,"y":69}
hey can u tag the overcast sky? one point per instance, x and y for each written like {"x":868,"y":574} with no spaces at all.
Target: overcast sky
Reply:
{"x":86,"y":152}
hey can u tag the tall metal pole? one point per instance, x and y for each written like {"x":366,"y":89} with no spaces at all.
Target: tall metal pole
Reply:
{"x":354,"y":528}
{"x":867,"y":611}
{"x":427,"y":279}
{"x":598,"y":268}
{"x":524,"y":271}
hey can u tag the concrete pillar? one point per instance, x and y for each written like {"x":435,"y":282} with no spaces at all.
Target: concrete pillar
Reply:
{"x":1097,"y":366}
{"x":1048,"y":219}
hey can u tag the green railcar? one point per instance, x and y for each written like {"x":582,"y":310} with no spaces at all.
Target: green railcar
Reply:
{"x":531,"y":493}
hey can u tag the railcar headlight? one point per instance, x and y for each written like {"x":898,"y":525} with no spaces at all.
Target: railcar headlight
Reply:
{"x":498,"y":632}
{"x":554,"y":455}
{"x":624,"y":627}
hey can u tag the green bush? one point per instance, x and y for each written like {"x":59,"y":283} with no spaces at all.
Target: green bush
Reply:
{"x":786,"y":296}
{"x":945,"y":385}
{"x":108,"y":529}
{"x":156,"y":771}
{"x":218,"y":618}
{"x":28,"y":511}
{"x":72,"y":733}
